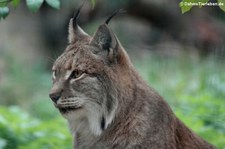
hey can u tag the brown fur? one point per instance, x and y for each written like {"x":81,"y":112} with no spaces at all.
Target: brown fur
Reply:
{"x":125,"y":112}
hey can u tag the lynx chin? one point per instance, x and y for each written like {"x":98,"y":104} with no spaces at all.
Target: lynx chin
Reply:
{"x":106,"y":103}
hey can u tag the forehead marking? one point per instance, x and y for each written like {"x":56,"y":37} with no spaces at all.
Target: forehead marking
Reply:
{"x":68,"y":64}
{"x":53,"y":75}
{"x":67,"y":75}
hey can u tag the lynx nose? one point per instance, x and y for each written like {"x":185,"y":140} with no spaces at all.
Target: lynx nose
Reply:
{"x":55,"y":96}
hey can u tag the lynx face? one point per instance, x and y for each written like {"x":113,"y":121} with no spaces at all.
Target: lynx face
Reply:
{"x":83,"y":90}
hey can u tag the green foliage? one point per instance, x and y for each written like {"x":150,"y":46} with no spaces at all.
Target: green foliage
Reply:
{"x":28,"y":86}
{"x":4,"y":3}
{"x":36,"y":84}
{"x":34,"y":5}
{"x":194,"y":89}
{"x":20,"y":130}
{"x":186,"y":5}
{"x":4,"y":12}
{"x":93,"y":3}
{"x":54,"y":3}
{"x":15,"y":3}
{"x":222,"y":6}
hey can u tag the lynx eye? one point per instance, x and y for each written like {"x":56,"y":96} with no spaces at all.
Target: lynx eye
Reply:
{"x":75,"y":74}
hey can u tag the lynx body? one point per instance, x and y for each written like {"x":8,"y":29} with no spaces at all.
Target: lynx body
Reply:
{"x":107,"y":104}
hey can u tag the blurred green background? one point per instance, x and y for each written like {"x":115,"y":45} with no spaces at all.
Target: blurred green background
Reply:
{"x":181,"y":56}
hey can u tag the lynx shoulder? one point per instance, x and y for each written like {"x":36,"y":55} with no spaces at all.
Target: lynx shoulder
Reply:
{"x":106,"y":103}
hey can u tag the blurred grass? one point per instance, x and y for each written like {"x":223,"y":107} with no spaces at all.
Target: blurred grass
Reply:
{"x":28,"y":120}
{"x":195,"y":89}
{"x":23,"y":131}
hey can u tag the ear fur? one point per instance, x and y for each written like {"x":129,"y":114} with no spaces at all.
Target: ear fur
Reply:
{"x":104,"y":38}
{"x":76,"y":33}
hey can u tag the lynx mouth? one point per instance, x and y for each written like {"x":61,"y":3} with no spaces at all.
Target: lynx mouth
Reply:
{"x":68,"y":109}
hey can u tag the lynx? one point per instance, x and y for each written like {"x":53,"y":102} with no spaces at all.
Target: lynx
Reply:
{"x":105,"y":101}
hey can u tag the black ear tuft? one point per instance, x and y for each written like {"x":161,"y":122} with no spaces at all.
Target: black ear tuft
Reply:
{"x":75,"y":32}
{"x":77,"y":14}
{"x":102,"y":123}
{"x":114,"y":14}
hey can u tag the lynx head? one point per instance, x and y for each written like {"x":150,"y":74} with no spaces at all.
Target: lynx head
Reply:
{"x":85,"y":77}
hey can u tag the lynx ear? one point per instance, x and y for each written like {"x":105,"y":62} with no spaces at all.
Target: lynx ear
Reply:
{"x":104,"y":38}
{"x":75,"y":32}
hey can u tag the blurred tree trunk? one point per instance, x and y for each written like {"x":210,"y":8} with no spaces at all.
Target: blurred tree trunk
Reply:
{"x":198,"y":27}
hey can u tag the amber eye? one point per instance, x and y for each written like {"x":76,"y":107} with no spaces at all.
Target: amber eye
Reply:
{"x":75,"y":74}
